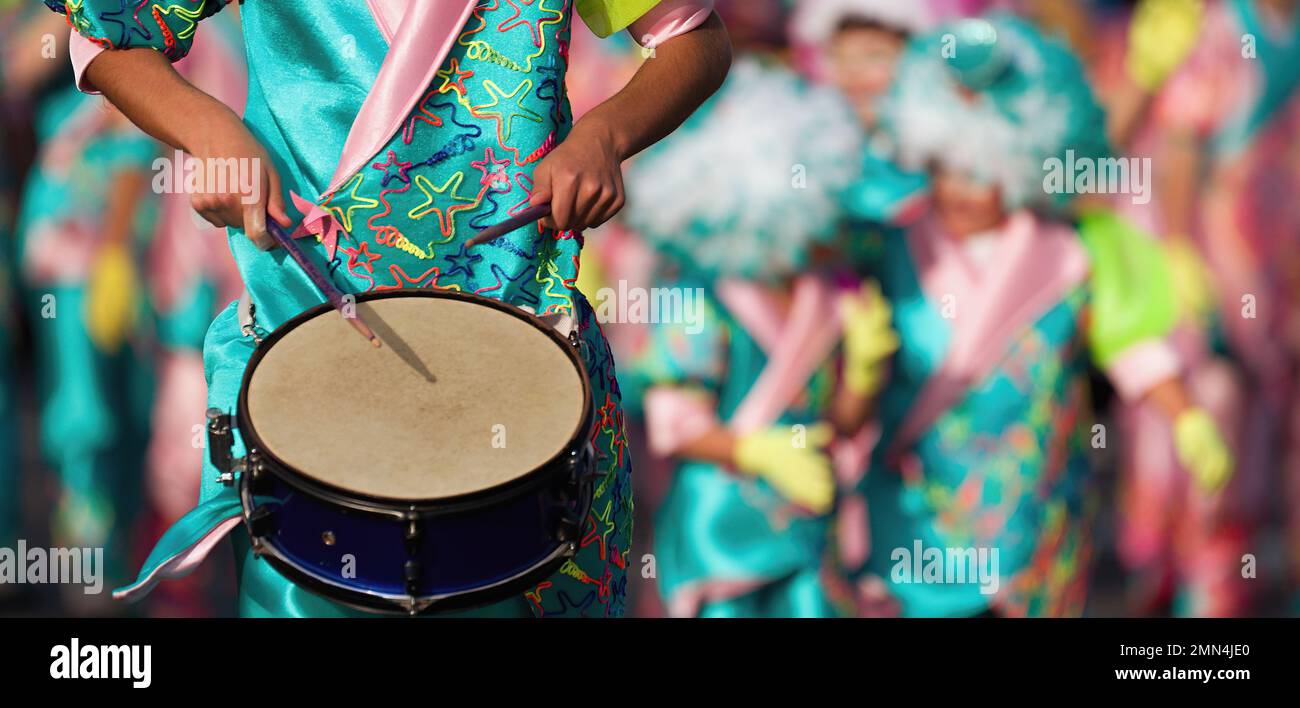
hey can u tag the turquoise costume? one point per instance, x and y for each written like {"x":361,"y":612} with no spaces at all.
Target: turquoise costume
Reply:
{"x":728,"y":545}
{"x":715,"y":528}
{"x":94,"y":403}
{"x":979,"y":489}
{"x":461,"y":160}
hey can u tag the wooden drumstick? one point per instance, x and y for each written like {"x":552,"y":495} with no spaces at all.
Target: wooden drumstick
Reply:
{"x":528,"y":216}
{"x":320,"y":280}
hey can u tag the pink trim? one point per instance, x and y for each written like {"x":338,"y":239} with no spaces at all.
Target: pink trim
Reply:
{"x":668,"y":19}
{"x":424,"y":38}
{"x":317,"y":222}
{"x":853,"y":528}
{"x":688,"y":600}
{"x":810,"y":333}
{"x":388,"y":14}
{"x":1040,"y":264}
{"x":82,"y":51}
{"x":675,"y":417}
{"x":1142,"y":367}
{"x":181,"y":564}
{"x":754,"y":308}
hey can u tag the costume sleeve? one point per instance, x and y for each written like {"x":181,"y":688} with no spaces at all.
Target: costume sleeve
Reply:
{"x":1134,"y":309}
{"x":652,"y":22}
{"x":111,"y":24}
{"x":678,"y":373}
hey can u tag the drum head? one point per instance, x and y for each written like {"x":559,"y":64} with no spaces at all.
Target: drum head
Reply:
{"x":462,"y":397}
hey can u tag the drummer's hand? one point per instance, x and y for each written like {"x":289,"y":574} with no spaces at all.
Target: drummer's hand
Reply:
{"x":219,"y":134}
{"x":582,"y":179}
{"x":798,"y":469}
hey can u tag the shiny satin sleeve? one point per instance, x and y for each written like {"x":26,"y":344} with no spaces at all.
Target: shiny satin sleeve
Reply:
{"x":112,"y":24}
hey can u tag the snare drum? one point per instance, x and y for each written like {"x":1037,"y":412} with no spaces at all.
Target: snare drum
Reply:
{"x":448,"y":469}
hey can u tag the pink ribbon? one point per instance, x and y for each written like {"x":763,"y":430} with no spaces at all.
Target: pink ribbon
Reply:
{"x":318,"y":222}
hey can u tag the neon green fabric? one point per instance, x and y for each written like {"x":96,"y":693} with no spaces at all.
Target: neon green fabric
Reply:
{"x":1133,"y":295}
{"x":605,"y":17}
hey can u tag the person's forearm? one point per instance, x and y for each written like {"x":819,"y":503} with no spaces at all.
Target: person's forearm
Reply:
{"x":1179,"y":181}
{"x":1171,"y":398}
{"x":669,"y":86}
{"x":143,"y":85}
{"x":126,"y":190}
{"x":717,"y":446}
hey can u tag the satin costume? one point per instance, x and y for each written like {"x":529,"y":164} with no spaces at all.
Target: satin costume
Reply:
{"x":733,"y":236}
{"x":1182,"y":546}
{"x":985,"y":436}
{"x":399,"y":129}
{"x":1240,"y":101}
{"x":94,"y":401}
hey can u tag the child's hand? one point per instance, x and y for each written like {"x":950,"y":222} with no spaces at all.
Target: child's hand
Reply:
{"x":582,"y":180}
{"x":1202,"y":450}
{"x":221,"y":136}
{"x":869,"y":339}
{"x":798,"y":470}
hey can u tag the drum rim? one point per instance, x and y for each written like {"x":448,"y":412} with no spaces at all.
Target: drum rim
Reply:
{"x":539,"y":476}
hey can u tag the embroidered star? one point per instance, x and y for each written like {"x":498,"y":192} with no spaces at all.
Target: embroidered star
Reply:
{"x":125,"y":36}
{"x":462,"y":262}
{"x":362,"y":257}
{"x":453,"y":77}
{"x":446,"y":218}
{"x":522,"y":91}
{"x":393,"y":169}
{"x":494,"y":170}
{"x":353,"y":201}
{"x":515,"y":21}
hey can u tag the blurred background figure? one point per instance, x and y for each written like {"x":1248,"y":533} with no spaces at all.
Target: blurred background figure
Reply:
{"x":735,"y":392}
{"x":84,"y":222}
{"x":1001,"y":305}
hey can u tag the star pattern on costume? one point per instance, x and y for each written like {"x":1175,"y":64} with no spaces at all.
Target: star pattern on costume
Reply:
{"x":350,"y":203}
{"x":362,"y":257}
{"x":521,"y":92}
{"x":446,"y":217}
{"x":494,"y":171}
{"x":462,"y":262}
{"x":393,"y":169}
{"x":454,"y":77}
{"x":136,"y":28}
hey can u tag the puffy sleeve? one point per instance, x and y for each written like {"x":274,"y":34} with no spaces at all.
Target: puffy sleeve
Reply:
{"x":651,"y":22}
{"x":114,"y":24}
{"x":678,"y":374}
{"x":1134,"y":309}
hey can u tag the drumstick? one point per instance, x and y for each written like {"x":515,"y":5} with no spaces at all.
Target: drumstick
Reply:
{"x":528,"y":216}
{"x":322,"y":283}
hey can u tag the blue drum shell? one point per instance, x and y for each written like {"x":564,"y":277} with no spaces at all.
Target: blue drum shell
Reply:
{"x":462,"y":547}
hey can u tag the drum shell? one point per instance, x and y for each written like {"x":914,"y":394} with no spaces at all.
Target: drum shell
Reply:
{"x":469,"y":550}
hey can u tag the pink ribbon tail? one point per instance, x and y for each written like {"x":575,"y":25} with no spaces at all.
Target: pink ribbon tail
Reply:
{"x":317,"y":222}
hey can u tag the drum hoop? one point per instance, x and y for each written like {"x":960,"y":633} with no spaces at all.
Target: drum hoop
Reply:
{"x":541,"y":475}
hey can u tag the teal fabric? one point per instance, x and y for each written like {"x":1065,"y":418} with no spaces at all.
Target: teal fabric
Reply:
{"x":715,"y":527}
{"x":1004,"y":469}
{"x":1279,"y":63}
{"x":94,"y":404}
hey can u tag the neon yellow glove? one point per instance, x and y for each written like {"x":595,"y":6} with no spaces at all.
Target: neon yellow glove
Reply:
{"x":111,"y":297}
{"x":1202,"y":450}
{"x":1161,"y":36}
{"x":791,"y":459}
{"x":869,"y":340}
{"x":1193,"y":284}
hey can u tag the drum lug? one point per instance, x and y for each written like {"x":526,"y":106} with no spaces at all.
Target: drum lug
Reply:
{"x":221,"y":441}
{"x":259,"y":522}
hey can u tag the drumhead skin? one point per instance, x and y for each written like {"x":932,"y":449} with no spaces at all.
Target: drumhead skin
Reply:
{"x":464,"y":396}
